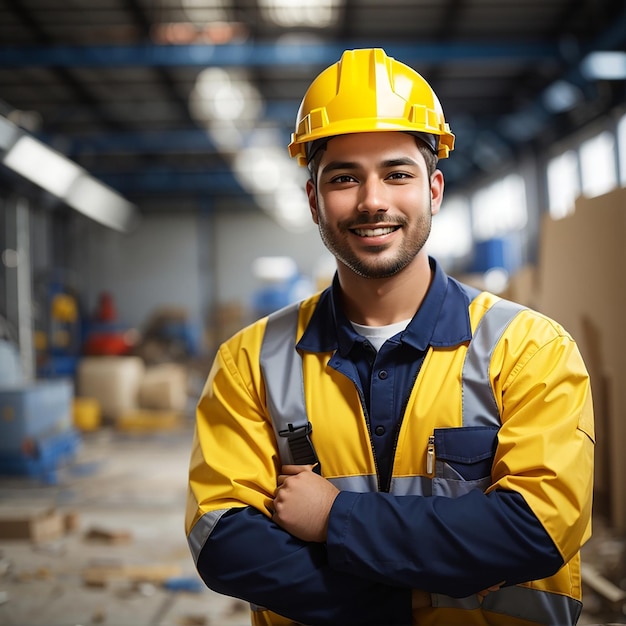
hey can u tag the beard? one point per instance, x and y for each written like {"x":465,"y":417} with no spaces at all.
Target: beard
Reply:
{"x":375,"y":263}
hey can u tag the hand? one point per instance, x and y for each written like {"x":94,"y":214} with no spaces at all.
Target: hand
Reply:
{"x":303,"y":501}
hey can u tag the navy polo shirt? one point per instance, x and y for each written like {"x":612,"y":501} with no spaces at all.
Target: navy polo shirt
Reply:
{"x":385,"y":378}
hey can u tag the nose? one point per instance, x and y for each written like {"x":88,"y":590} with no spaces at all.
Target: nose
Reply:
{"x":372,"y":196}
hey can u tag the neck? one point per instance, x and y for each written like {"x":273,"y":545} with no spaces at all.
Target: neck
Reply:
{"x":383,"y":301}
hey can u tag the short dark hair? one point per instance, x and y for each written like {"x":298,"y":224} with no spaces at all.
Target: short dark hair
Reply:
{"x":317,"y":151}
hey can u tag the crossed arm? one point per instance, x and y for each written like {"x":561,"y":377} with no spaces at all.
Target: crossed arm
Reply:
{"x":302,"y":507}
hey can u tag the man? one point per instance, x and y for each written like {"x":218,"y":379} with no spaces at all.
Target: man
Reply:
{"x":449,"y":480}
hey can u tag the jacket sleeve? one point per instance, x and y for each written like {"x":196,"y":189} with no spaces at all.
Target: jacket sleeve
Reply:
{"x":452,"y":546}
{"x":250,"y":557}
{"x":534,"y":517}
{"x":233,"y":475}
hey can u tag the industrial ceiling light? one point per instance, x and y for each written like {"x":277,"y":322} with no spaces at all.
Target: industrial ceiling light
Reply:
{"x":259,"y":170}
{"x":99,"y":202}
{"x":291,"y":208}
{"x":203,"y":11}
{"x":9,"y":133}
{"x":604,"y":65}
{"x":221,"y":95}
{"x":310,"y":13}
{"x":64,"y":179}
{"x":561,"y":96}
{"x":41,"y":165}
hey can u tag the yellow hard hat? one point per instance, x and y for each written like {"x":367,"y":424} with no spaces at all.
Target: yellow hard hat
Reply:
{"x":368,"y":91}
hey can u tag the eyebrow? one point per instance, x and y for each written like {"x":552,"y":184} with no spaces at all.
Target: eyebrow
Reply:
{"x":352,"y":165}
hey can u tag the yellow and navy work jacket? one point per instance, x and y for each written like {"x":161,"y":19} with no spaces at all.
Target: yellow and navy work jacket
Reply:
{"x":463,"y":451}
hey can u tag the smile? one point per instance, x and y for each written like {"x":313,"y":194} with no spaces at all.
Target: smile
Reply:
{"x":374,"y":232}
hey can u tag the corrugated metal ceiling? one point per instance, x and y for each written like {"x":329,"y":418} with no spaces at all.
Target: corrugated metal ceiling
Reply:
{"x":111,"y":93}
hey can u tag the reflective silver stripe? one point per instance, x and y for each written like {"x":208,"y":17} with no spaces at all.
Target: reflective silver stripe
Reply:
{"x":357,"y":484}
{"x":479,"y":404}
{"x":201,"y":531}
{"x":532,"y":605}
{"x":535,"y":605}
{"x":281,"y":367}
{"x":411,"y":486}
{"x":440,"y":601}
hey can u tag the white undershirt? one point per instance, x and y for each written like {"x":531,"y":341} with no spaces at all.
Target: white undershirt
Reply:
{"x":377,"y":335}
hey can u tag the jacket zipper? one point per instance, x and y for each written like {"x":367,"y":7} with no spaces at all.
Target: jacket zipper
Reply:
{"x":430,"y":455}
{"x":368,"y":423}
{"x":400,"y":422}
{"x":357,"y":386}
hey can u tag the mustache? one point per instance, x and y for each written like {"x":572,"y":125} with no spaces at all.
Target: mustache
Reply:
{"x":374,"y":220}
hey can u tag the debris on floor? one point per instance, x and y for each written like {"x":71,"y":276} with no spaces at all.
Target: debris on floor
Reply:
{"x":99,"y":575}
{"x":36,"y":524}
{"x":111,"y":537}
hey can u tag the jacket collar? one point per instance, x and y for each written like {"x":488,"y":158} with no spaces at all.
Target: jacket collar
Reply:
{"x":441,"y":321}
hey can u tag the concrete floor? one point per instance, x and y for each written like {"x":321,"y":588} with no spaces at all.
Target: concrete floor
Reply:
{"x":135,"y":484}
{"x":119,"y":483}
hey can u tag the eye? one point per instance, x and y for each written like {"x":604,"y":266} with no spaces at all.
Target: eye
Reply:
{"x":399,"y":176}
{"x":343,"y":178}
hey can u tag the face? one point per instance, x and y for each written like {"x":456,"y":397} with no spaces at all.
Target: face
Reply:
{"x":374,"y":201}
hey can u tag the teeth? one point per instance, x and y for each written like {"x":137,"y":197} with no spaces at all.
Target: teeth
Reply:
{"x":374,"y":232}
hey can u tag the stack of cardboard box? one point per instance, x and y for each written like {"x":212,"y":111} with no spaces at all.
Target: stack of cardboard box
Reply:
{"x":581,"y":284}
{"x":579,"y":281}
{"x":133,"y":396}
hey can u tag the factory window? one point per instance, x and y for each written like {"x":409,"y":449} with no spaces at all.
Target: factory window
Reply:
{"x":451,"y":235}
{"x":563,"y":184}
{"x":500,"y":208}
{"x":597,"y":164}
{"x":621,"y":149}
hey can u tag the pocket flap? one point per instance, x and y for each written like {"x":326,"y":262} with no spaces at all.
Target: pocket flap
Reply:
{"x":466,"y":445}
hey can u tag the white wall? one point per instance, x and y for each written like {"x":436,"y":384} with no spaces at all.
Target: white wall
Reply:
{"x":190,"y":260}
{"x":155,"y":266}
{"x":240,"y":238}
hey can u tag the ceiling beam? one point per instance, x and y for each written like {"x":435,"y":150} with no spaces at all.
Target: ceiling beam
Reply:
{"x":171,"y":180}
{"x":60,"y":69}
{"x":258,"y":54}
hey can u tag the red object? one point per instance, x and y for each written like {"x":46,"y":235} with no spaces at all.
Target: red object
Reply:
{"x":106,"y":308}
{"x":102,"y":344}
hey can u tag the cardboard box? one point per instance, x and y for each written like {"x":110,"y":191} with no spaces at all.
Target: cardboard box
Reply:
{"x":581,"y":285}
{"x":113,"y":381}
{"x":522,"y":287}
{"x":33,"y":524}
{"x":164,"y":387}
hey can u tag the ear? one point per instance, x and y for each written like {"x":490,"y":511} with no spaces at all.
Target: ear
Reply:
{"x":436,"y":191}
{"x":311,"y":193}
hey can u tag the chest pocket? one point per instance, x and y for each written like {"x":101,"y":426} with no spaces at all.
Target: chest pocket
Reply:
{"x":464,"y":456}
{"x":463,"y":459}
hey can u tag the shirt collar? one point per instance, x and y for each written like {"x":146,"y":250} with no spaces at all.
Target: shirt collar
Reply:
{"x":442,"y":320}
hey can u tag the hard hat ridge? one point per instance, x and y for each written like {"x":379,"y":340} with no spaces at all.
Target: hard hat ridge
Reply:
{"x":368,"y":91}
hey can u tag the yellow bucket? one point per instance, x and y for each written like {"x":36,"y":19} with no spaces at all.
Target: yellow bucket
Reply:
{"x":87,"y":413}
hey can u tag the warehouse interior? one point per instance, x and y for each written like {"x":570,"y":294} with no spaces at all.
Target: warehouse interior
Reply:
{"x":149,"y":210}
